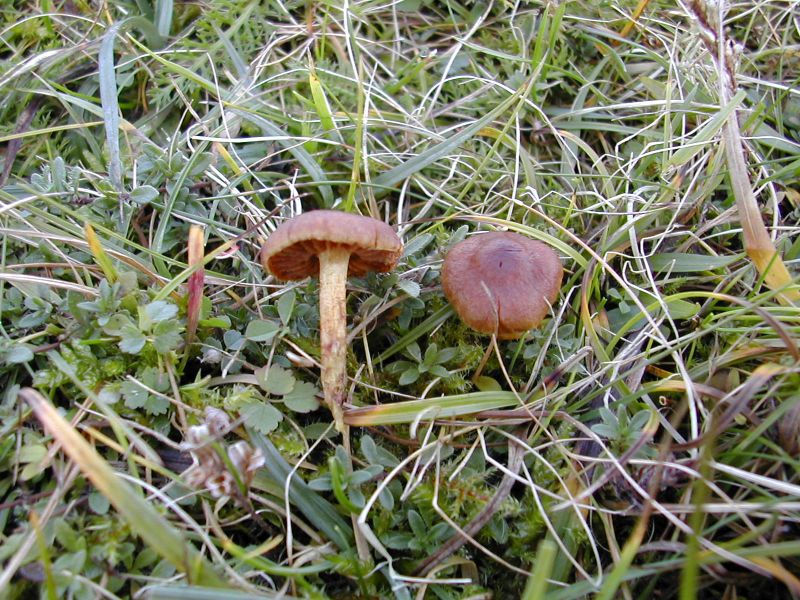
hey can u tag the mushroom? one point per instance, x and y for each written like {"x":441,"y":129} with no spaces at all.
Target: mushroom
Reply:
{"x":501,"y":282}
{"x":332,"y":245}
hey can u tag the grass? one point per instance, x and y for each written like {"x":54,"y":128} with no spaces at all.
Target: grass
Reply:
{"x":642,"y":443}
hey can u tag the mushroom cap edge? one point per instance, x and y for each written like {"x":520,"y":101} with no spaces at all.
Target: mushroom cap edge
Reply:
{"x":291,"y":251}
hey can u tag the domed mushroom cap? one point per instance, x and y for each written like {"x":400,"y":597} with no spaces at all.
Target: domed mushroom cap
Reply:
{"x":502,"y":282}
{"x":291,"y":251}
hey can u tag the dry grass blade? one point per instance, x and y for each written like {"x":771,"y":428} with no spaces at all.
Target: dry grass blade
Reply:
{"x":142,"y":517}
{"x":473,"y":527}
{"x":48,"y":282}
{"x":757,"y":241}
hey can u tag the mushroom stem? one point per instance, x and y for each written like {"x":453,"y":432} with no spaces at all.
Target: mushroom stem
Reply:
{"x":333,"y":265}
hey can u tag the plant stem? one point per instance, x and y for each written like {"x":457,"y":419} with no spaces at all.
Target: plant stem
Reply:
{"x":332,"y":321}
{"x":333,"y":265}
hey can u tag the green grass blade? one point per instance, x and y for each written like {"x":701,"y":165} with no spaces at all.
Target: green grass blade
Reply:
{"x":413,"y":165}
{"x":108,"y":100}
{"x":682,"y":262}
{"x":428,"y":325}
{"x":190,"y":592}
{"x":537,"y":584}
{"x":108,"y":91}
{"x":321,"y":103}
{"x":430,"y":408}
{"x":300,"y":154}
{"x":163,"y":16}
{"x":140,"y":514}
{"x":709,"y":130}
{"x":317,"y":510}
{"x":48,"y":130}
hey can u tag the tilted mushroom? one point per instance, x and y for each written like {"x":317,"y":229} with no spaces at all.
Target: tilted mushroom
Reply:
{"x":332,"y":245}
{"x":501,"y":282}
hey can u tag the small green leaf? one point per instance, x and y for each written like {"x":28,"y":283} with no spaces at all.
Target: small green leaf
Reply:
{"x":132,"y":340}
{"x":397,"y":540}
{"x":302,"y":398}
{"x":369,"y":449}
{"x":223,"y":322}
{"x":377,"y":455}
{"x":439,"y":371}
{"x":156,"y":405}
{"x":681,"y":309}
{"x":431,"y":353}
{"x":487,"y":384}
{"x":275,"y":380}
{"x":409,"y":376}
{"x":362,"y":476}
{"x":33,"y":453}
{"x":30,"y":471}
{"x":70,"y":561}
{"x":417,"y":244}
{"x":386,"y":499}
{"x":459,"y":235}
{"x":639,"y":420}
{"x":155,"y":379}
{"x":499,"y":529}
{"x":66,"y":536}
{"x":321,"y":484}
{"x":680,"y":262}
{"x":285,"y":305}
{"x":605,"y":430}
{"x":399,"y":366}
{"x":117,"y":323}
{"x":160,"y":310}
{"x":98,"y":503}
{"x":414,"y":351}
{"x":135,"y":396}
{"x":411,"y":288}
{"x":446,"y":355}
{"x":261,"y":416}
{"x":18,"y":353}
{"x":144,"y":195}
{"x":418,"y":526}
{"x":233,"y":339}
{"x":261,"y":331}
{"x":167,"y":336}
{"x":144,"y":559}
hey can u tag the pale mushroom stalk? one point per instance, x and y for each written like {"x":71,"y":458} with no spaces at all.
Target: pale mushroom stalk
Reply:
{"x":333,"y":265}
{"x":331,"y":245}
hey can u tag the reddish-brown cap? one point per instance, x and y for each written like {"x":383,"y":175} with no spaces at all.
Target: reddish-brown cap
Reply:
{"x":502,"y":282}
{"x":291,"y":251}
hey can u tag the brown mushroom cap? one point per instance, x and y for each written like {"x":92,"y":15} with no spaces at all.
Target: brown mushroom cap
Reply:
{"x":291,"y":251}
{"x":502,"y":282}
